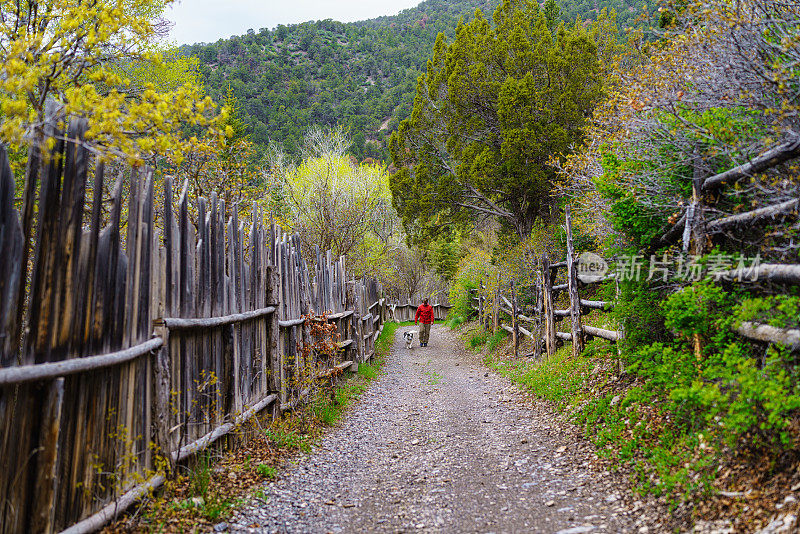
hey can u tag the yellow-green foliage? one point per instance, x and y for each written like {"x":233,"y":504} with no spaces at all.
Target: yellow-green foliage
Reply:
{"x":346,"y":207}
{"x":474,"y":267}
{"x":225,"y":161}
{"x":518,"y":259}
{"x":169,"y":74}
{"x":97,"y":58}
{"x":335,"y":203}
{"x":510,"y":260}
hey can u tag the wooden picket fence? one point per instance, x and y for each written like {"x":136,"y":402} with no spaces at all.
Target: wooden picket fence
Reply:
{"x":134,"y":336}
{"x":406,"y":312}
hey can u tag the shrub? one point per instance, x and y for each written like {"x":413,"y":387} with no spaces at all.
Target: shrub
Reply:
{"x":639,"y":312}
{"x":454,"y":321}
{"x":477,"y":339}
{"x":708,"y":378}
{"x":495,"y":339}
{"x":781,"y":311}
{"x":473,"y":268}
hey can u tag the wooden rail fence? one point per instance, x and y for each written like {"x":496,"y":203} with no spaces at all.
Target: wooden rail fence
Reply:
{"x":132,"y":339}
{"x":539,"y":324}
{"x":695,"y":230}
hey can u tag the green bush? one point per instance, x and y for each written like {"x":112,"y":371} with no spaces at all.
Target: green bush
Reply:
{"x":289,"y":439}
{"x":721,"y":389}
{"x":781,"y":311}
{"x":639,"y":312}
{"x":461,"y":297}
{"x":200,"y":476}
{"x":454,"y":322}
{"x":478,"y":339}
{"x":698,"y":310}
{"x":630,"y":217}
{"x":472,"y":269}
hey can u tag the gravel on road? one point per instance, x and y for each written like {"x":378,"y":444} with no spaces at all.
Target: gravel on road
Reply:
{"x":440,"y":444}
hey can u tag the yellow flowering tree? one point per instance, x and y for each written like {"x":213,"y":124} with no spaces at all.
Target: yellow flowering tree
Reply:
{"x":336,"y":204}
{"x":98,"y":59}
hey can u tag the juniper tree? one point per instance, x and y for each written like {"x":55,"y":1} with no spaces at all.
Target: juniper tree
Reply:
{"x":493,"y":110}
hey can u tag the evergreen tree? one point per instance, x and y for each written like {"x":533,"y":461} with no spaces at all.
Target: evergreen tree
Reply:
{"x":444,"y":253}
{"x":552,"y":13}
{"x":494,"y":107}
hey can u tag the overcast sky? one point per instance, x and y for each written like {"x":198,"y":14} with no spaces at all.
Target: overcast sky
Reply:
{"x":209,"y":20}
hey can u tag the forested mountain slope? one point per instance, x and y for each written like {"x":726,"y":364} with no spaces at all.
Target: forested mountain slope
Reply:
{"x":361,"y":75}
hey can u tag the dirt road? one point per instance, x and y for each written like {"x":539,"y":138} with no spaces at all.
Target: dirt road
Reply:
{"x":438,"y":444}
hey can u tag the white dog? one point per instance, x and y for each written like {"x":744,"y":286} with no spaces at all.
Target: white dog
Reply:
{"x":408,"y":337}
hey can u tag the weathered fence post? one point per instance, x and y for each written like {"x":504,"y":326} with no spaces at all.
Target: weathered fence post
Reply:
{"x":351,"y":333}
{"x":358,"y":323}
{"x":694,"y":235}
{"x":484,"y":311}
{"x":538,"y":317}
{"x":55,"y":244}
{"x":161,"y":401}
{"x":305,"y":297}
{"x":572,"y":287}
{"x":547,"y":307}
{"x":480,"y":304}
{"x":514,"y":319}
{"x":275,"y":354}
{"x":47,"y":457}
{"x":694,"y":238}
{"x":161,"y":373}
{"x":496,"y":310}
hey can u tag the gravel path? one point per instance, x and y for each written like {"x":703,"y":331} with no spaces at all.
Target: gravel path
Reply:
{"x":438,"y":444}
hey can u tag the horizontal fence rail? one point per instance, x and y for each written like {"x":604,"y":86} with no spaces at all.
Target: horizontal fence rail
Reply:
{"x":45,"y":371}
{"x":406,"y":312}
{"x":215,"y":322}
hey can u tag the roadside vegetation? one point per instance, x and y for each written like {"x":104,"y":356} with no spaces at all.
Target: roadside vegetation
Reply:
{"x":698,"y":415}
{"x":493,"y":126}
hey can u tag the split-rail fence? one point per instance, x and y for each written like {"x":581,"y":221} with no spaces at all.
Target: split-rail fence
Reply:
{"x":134,"y":335}
{"x":540,"y":325}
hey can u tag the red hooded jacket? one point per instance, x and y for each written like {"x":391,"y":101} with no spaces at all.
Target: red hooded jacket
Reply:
{"x":424,"y":314}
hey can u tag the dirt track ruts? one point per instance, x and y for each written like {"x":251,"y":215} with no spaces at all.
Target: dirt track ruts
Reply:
{"x":440,"y":444}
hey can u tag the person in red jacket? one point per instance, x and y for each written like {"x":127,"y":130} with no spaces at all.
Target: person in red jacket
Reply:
{"x":425,"y":317}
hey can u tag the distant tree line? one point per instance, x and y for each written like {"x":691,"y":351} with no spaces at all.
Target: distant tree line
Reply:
{"x":361,"y":76}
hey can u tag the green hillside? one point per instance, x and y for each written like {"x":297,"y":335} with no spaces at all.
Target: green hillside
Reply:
{"x":361,"y":75}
